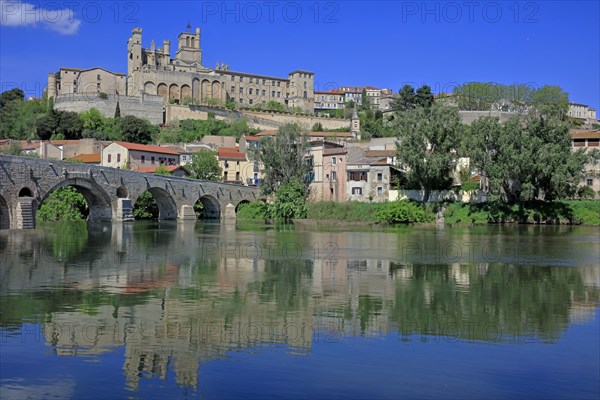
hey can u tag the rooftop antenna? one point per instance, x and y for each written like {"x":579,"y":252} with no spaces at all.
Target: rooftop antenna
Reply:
{"x":189,"y":27}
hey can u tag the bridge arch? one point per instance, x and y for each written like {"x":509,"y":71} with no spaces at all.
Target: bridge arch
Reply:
{"x":98,"y":201}
{"x":4,"y":214}
{"x":25,"y":192}
{"x":211,"y":209}
{"x":167,"y":209}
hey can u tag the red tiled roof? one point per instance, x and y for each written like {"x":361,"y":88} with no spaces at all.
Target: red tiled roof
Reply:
{"x":87,"y":158}
{"x":231,"y":153}
{"x":311,"y":134}
{"x":151,"y":169}
{"x":148,"y":148}
{"x":252,"y":138}
{"x":585,"y":134}
{"x":380,"y":153}
{"x":62,"y":142}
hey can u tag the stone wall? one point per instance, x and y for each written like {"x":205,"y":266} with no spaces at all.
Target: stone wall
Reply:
{"x":257,"y":119}
{"x":147,"y":107}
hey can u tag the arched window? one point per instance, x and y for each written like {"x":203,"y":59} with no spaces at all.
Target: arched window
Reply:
{"x":305,"y":94}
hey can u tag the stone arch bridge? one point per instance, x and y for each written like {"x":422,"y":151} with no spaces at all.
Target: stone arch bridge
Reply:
{"x":110,"y":193}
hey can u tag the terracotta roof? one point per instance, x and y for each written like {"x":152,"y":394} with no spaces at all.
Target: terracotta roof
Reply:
{"x":585,"y":134}
{"x":148,"y":148}
{"x":63,"y":142}
{"x":153,"y":168}
{"x":334,"y":150}
{"x":93,"y":158}
{"x":252,"y":137}
{"x":230,"y":153}
{"x":311,"y":134}
{"x":380,"y":153}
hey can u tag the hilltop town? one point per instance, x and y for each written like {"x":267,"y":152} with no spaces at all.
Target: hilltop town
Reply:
{"x":352,"y":149}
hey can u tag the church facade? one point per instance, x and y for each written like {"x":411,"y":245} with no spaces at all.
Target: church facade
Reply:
{"x":185,"y":79}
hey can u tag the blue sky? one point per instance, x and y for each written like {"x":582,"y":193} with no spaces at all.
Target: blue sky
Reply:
{"x":383,"y":44}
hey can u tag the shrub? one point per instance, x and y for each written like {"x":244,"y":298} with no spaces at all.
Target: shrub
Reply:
{"x":402,"y":212}
{"x":254,"y":210}
{"x":290,"y":202}
{"x":64,"y":204}
{"x":586,"y":193}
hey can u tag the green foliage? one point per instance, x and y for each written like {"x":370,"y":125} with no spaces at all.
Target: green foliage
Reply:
{"x":409,"y":100}
{"x":525,"y":158}
{"x":145,"y":207}
{"x":469,"y":186}
{"x":118,"y":111}
{"x":365,"y":101}
{"x":428,"y":140}
{"x":403,"y":212}
{"x":189,"y":130}
{"x":317,"y":127}
{"x":136,"y":130}
{"x":102,"y":96}
{"x":204,"y":166}
{"x":13,"y":149}
{"x":530,"y":212}
{"x":282,"y":157}
{"x":230,"y":105}
{"x":66,"y":123}
{"x":586,"y":193}
{"x":253,"y":210}
{"x":161,"y":170}
{"x":346,"y":211}
{"x":63,"y":204}
{"x":18,"y":117}
{"x":290,"y":201}
{"x":274,"y":106}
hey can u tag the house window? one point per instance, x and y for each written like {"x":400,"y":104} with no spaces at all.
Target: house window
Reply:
{"x":118,"y":157}
{"x":379,"y":191}
{"x":278,"y":94}
{"x":98,"y":77}
{"x":264,"y":81}
{"x":241,"y":100}
{"x":264,"y":92}
{"x":237,"y":176}
{"x":143,"y":159}
{"x":379,"y":176}
{"x":232,"y":89}
{"x":250,"y":91}
{"x":241,"y":78}
{"x":357,"y":190}
{"x":278,"y":84}
{"x":250,"y":101}
{"x":225,"y":176}
{"x":334,"y":176}
{"x":590,"y":182}
{"x":333,"y":161}
{"x":109,"y":158}
{"x":241,"y":90}
{"x":152,"y":160}
{"x":273,"y":93}
{"x":250,"y":80}
{"x":232,"y":78}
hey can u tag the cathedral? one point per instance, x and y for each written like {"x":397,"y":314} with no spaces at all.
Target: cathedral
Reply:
{"x":185,"y":79}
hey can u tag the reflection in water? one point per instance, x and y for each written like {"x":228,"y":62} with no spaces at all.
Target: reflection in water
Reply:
{"x":176,"y":295}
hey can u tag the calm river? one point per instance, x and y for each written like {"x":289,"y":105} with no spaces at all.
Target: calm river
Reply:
{"x":167,"y":310}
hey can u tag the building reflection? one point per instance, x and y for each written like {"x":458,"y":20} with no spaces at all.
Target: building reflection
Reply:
{"x":175,"y":296}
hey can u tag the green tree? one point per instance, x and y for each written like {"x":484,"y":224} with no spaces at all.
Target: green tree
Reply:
{"x":428,"y":144}
{"x":15,"y":94}
{"x":64,"y":204}
{"x":283,"y":158}
{"x":527,"y":158}
{"x":290,"y":201}
{"x":406,"y":99}
{"x":424,"y":97}
{"x":161,"y":170}
{"x":204,"y":166}
{"x":550,"y":101}
{"x":365,"y":102}
{"x":274,"y":106}
{"x":136,"y":130}
{"x":145,"y":207}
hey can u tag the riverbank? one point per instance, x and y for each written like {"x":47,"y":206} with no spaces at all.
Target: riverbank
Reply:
{"x":566,"y":212}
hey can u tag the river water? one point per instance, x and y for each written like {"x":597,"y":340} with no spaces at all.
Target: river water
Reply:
{"x":167,"y":310}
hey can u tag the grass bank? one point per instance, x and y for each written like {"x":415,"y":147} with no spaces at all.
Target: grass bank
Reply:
{"x":577,"y":212}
